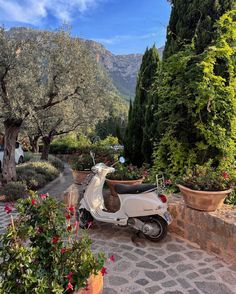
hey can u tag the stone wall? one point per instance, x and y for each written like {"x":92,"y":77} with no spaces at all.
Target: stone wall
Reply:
{"x":212,"y":231}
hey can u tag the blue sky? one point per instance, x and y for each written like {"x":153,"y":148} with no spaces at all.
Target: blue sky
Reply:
{"x":122,"y":26}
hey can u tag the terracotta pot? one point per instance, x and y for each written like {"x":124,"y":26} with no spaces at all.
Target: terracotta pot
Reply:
{"x":112,"y":183}
{"x":203,"y":200}
{"x":95,"y":285}
{"x":79,"y":176}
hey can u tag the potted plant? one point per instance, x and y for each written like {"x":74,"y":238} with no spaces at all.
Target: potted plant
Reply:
{"x":42,"y":252}
{"x":81,"y":167}
{"x":125,"y":174}
{"x":205,"y":187}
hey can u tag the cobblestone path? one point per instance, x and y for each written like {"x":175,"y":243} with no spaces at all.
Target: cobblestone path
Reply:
{"x":141,"y":266}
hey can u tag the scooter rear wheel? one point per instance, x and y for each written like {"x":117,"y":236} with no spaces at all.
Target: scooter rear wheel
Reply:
{"x":85,"y":218}
{"x":160,"y":227}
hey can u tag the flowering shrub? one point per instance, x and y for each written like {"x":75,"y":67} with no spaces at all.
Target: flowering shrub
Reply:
{"x":208,"y":178}
{"x":129,"y":172}
{"x":41,"y":251}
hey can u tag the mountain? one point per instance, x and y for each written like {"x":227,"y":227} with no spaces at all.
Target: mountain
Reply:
{"x":122,"y":69}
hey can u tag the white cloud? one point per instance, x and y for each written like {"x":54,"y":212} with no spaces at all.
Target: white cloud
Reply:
{"x":34,"y":11}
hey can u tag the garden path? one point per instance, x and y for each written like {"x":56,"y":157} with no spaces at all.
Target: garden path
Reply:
{"x":170,"y":266}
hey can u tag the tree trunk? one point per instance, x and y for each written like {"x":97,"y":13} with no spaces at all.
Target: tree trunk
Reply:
{"x":12,"y":128}
{"x":46,"y":147}
{"x":34,"y":144}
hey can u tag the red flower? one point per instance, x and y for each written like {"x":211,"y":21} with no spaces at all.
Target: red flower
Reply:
{"x":225,"y":175}
{"x":104,"y":271}
{"x":33,"y":201}
{"x":70,"y":286}
{"x":68,"y":216}
{"x":69,"y":228}
{"x":55,"y":239}
{"x":63,"y":250}
{"x":69,"y":277}
{"x":71,"y":208}
{"x":43,"y":196}
{"x":8,"y":208}
{"x":112,"y":258}
{"x":168,"y":182}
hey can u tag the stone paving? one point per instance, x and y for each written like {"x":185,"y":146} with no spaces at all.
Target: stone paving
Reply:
{"x":141,"y":266}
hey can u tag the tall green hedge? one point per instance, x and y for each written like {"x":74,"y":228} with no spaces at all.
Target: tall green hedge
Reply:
{"x":196,"y":113}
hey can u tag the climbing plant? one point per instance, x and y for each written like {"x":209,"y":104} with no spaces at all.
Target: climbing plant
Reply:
{"x":196,"y":114}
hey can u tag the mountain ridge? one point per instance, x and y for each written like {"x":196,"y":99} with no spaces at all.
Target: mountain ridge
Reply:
{"x":122,"y":69}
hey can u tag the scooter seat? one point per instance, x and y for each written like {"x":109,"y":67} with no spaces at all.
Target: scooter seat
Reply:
{"x":134,"y":189}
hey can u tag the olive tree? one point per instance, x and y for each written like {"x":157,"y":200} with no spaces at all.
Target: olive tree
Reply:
{"x":38,"y":70}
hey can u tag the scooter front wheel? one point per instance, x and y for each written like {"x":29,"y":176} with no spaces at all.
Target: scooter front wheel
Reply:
{"x":155,"y":228}
{"x":85,"y":218}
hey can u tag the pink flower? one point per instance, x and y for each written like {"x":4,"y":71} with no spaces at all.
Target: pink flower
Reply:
{"x":168,"y":182}
{"x":70,"y":286}
{"x":43,"y":196}
{"x":225,"y":175}
{"x":33,"y":201}
{"x":39,"y":230}
{"x":68,"y":217}
{"x":104,"y":271}
{"x":55,"y":239}
{"x":76,"y":224}
{"x":69,"y":277}
{"x":145,"y":174}
{"x":112,"y":258}
{"x":90,"y":224}
{"x":8,"y":208}
{"x":63,"y":250}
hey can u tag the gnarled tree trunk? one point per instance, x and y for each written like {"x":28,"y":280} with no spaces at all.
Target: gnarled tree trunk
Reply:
{"x":46,"y":147}
{"x":34,"y":144}
{"x":12,"y":128}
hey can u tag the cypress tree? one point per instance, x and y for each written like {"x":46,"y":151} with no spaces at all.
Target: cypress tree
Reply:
{"x":134,"y":133}
{"x":193,"y":19}
{"x":196,"y":111}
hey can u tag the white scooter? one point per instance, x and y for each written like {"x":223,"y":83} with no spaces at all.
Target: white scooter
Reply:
{"x":143,"y":207}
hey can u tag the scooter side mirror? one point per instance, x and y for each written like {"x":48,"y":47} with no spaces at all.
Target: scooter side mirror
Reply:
{"x":122,"y":159}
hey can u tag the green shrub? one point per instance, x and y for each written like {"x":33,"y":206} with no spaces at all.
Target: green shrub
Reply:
{"x":35,"y":174}
{"x":31,"y":178}
{"x":107,"y":142}
{"x":56,"y":162}
{"x":28,"y":156}
{"x":231,"y":199}
{"x":14,"y":190}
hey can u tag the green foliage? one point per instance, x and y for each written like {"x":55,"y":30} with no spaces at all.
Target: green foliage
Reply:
{"x":193,"y":20}
{"x":54,"y":255}
{"x":209,"y":178}
{"x":128,"y":172}
{"x":107,"y":142}
{"x":195,"y":115}
{"x":69,"y":144}
{"x":35,"y":174}
{"x":231,"y":199}
{"x":14,"y":191}
{"x":135,"y":148}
